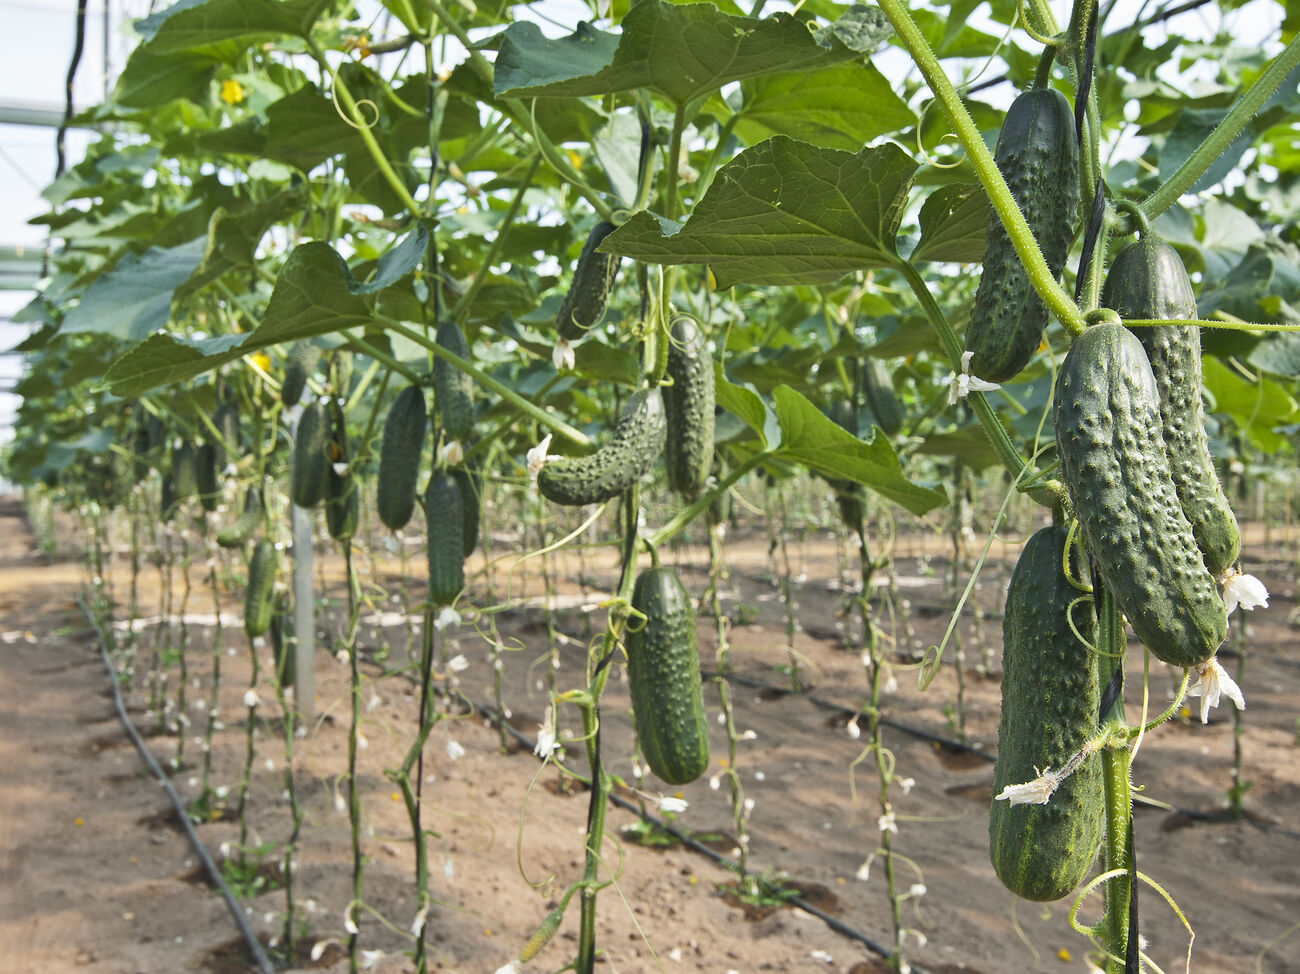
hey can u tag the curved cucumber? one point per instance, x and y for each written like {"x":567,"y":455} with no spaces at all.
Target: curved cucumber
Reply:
{"x":663,"y":676}
{"x":1039,"y":158}
{"x":1050,"y":699}
{"x":688,"y":407}
{"x":399,"y":457}
{"x":241,"y":529}
{"x":1148,"y":280}
{"x":1118,"y":479}
{"x":593,"y":279}
{"x":631,"y":450}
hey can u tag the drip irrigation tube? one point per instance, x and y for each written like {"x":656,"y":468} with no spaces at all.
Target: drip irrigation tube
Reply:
{"x":214,"y":874}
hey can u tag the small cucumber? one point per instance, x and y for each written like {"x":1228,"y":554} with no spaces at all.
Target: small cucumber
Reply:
{"x":1050,"y":700}
{"x":236,"y":535}
{"x":304,"y":357}
{"x":1039,"y":158}
{"x":470,"y":483}
{"x":688,"y":408}
{"x":185,"y":471}
{"x":1148,"y":280}
{"x":631,"y":450}
{"x":207,"y":475}
{"x":453,"y":389}
{"x":444,"y":517}
{"x":309,"y":471}
{"x":258,"y":602}
{"x":878,"y":387}
{"x":399,"y":457}
{"x":1118,"y":479}
{"x":663,"y":676}
{"x":593,"y":279}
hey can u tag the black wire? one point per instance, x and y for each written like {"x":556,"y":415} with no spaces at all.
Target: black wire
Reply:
{"x":78,"y":45}
{"x":214,"y":873}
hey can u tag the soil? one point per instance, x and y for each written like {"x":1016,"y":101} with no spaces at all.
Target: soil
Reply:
{"x":96,"y":874}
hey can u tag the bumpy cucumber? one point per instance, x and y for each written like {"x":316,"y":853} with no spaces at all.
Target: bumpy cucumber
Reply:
{"x":281,"y":636}
{"x":1119,"y":482}
{"x":1050,"y":699}
{"x":342,"y":506}
{"x":258,"y":603}
{"x":1148,"y":280}
{"x":663,"y":677}
{"x":878,"y":387}
{"x":227,"y":444}
{"x":1039,"y":158}
{"x":688,"y":407}
{"x":470,"y":483}
{"x":302,"y":362}
{"x":633,"y":445}
{"x":444,"y":516}
{"x":241,"y":529}
{"x":453,"y":389}
{"x":185,"y":471}
{"x":399,"y":457}
{"x":309,"y":470}
{"x":593,"y":279}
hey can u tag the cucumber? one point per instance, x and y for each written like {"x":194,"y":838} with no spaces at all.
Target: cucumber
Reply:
{"x":1148,"y":280}
{"x":688,"y":408}
{"x":453,"y":389}
{"x":470,"y":484}
{"x":185,"y":471}
{"x":593,"y":279}
{"x":304,"y":357}
{"x":310,"y":467}
{"x":207,"y":474}
{"x":663,"y":677}
{"x":444,"y":517}
{"x":342,"y":492}
{"x":625,"y":457}
{"x":1039,"y":158}
{"x":227,"y":444}
{"x":281,"y":635}
{"x":168,"y":501}
{"x":399,"y":457}
{"x":878,"y":387}
{"x":258,"y":602}
{"x":1050,"y":702}
{"x":1119,"y":482}
{"x":241,"y":529}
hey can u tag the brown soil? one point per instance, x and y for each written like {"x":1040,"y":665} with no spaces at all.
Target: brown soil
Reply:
{"x":96,"y":874}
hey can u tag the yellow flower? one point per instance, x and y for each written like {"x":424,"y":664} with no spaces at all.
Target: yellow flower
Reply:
{"x":261,"y":360}
{"x":232,"y":92}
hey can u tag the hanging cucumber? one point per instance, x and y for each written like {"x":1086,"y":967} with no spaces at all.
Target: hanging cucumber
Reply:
{"x":593,"y":279}
{"x":688,"y":408}
{"x":399,"y":457}
{"x":629,"y":453}
{"x":453,"y":389}
{"x":444,"y":517}
{"x":309,"y":469}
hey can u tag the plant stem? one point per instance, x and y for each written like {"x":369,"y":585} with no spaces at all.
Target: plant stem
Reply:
{"x":1118,"y":789}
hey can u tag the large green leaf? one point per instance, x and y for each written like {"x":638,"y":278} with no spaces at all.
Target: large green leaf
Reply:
{"x":812,"y":439}
{"x":784,"y":212}
{"x":150,"y":79}
{"x":681,"y":51}
{"x":954,"y":225}
{"x":193,"y":24}
{"x":842,"y":106}
{"x":134,"y":299}
{"x":1258,"y":407}
{"x":312,"y":297}
{"x":748,"y":406}
{"x":1189,"y":131}
{"x":233,"y":237}
{"x":970,"y":444}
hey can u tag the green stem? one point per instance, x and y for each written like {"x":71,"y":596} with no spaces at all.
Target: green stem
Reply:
{"x":701,"y":503}
{"x":671,"y":177}
{"x":485,"y":380}
{"x":1240,"y":115}
{"x":981,"y":159}
{"x":1118,"y":789}
{"x":354,"y":727}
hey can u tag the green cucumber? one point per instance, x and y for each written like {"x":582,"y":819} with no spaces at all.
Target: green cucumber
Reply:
{"x":168,"y":501}
{"x":258,"y":603}
{"x":593,"y":279}
{"x":470,"y":484}
{"x":626,"y":456}
{"x":309,"y":470}
{"x":302,"y":362}
{"x":207,"y":475}
{"x":1050,"y":700}
{"x":227,"y":443}
{"x":1118,"y":479}
{"x":237,"y":533}
{"x":399,"y":457}
{"x":688,"y":408}
{"x":342,"y":491}
{"x":444,"y":517}
{"x":1039,"y":158}
{"x":185,"y":471}
{"x":878,"y":387}
{"x":663,"y":677}
{"x":1148,"y":280}
{"x":453,"y":389}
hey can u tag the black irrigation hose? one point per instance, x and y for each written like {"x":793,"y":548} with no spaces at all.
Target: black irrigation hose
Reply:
{"x":214,"y":874}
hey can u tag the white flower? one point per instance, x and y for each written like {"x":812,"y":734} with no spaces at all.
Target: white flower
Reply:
{"x":864,"y":871}
{"x":1242,"y":590}
{"x":251,"y":698}
{"x":852,"y":727}
{"x":448,"y":869}
{"x":675,"y":954}
{"x":961,"y":386}
{"x":447,"y":617}
{"x":369,"y":958}
{"x":562,"y":356}
{"x":454,"y":750}
{"x":907,"y":784}
{"x":318,"y":949}
{"x":339,"y":469}
{"x":674,"y":805}
{"x":349,"y":921}
{"x":1036,"y":792}
{"x":537,"y":457}
{"x":511,"y":968}
{"x":887,"y":823}
{"x":418,"y":923}
{"x":916,"y":890}
{"x":822,"y":956}
{"x":715,"y":781}
{"x":458,"y":663}
{"x":545,"y":745}
{"x":749,"y":735}
{"x":452,"y":453}
{"x":1212,"y":681}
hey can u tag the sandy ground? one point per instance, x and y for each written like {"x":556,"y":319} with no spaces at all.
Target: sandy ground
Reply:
{"x":96,"y":875}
